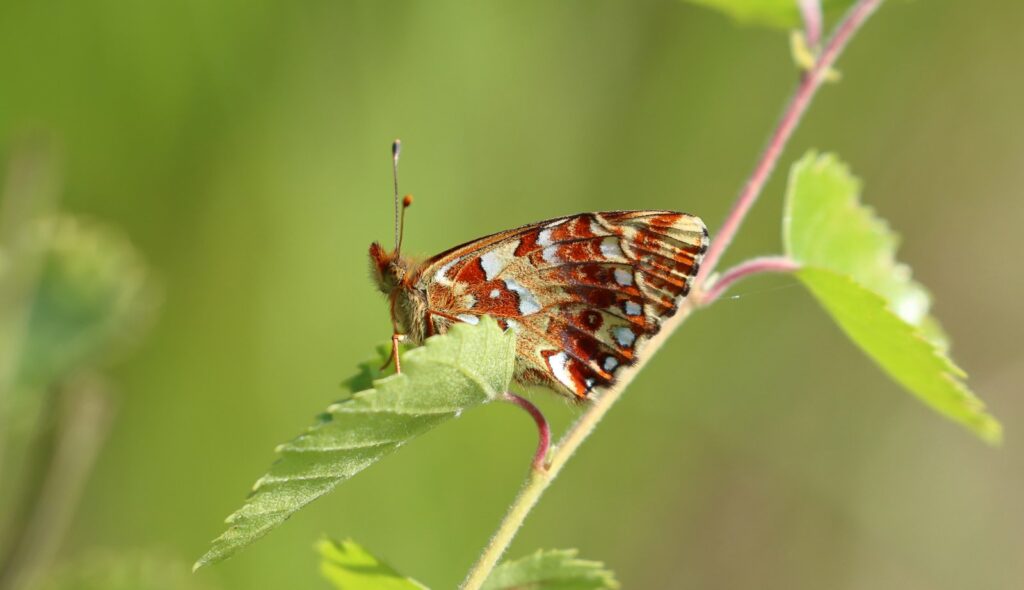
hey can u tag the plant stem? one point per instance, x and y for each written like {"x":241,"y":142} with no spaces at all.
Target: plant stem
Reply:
{"x":538,"y":481}
{"x":543,"y":430}
{"x":791,"y":116}
{"x":85,"y":413}
{"x":743,"y":270}
{"x":810,"y":12}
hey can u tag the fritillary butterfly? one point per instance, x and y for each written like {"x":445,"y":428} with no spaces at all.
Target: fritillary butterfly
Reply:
{"x":582,"y":292}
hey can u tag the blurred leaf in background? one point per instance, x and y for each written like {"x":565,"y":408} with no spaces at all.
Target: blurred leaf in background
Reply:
{"x":94,"y":297}
{"x":781,"y":14}
{"x":74,"y":293}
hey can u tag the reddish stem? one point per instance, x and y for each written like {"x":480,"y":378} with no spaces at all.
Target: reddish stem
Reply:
{"x":790,"y":118}
{"x":543,"y":431}
{"x":810,"y":12}
{"x":743,"y":270}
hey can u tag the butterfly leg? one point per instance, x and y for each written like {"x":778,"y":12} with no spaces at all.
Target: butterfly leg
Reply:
{"x":395,"y":339}
{"x":543,"y":431}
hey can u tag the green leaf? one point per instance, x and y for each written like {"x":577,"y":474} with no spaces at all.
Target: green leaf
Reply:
{"x":825,"y":225}
{"x":779,"y":14}
{"x":92,"y":297}
{"x":900,"y":349}
{"x":557,"y":569}
{"x":350,"y":567}
{"x":849,"y":263}
{"x":369,"y":371}
{"x":468,"y":367}
{"x":73,"y":294}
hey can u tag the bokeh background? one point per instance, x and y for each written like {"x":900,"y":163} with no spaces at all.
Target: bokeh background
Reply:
{"x":243,"y":148}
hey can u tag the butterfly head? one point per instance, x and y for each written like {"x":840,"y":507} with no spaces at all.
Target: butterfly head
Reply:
{"x":388,"y":268}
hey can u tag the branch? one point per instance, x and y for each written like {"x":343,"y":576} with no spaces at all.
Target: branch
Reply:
{"x":792,"y":115}
{"x":810,"y":12}
{"x":538,"y":481}
{"x":743,"y":270}
{"x":543,"y":430}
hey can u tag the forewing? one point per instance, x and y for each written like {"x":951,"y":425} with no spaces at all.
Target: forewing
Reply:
{"x":582,"y":292}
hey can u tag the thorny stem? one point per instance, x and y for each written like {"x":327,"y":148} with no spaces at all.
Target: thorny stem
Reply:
{"x":538,"y":481}
{"x":763,"y":264}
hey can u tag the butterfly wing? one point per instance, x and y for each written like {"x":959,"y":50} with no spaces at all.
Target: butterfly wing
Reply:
{"x":582,"y":292}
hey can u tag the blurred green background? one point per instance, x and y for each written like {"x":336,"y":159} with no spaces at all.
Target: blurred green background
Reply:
{"x":243,"y":148}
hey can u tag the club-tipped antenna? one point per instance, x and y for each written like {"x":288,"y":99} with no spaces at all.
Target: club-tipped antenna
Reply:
{"x":396,"y":150}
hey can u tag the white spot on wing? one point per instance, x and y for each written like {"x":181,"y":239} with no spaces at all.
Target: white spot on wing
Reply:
{"x":558,"y":363}
{"x":440,"y":277}
{"x":544,"y":238}
{"x":527,"y":302}
{"x":610,"y":248}
{"x":610,"y":363}
{"x":492,"y":263}
{"x":495,"y":293}
{"x":468,"y":318}
{"x":624,"y":336}
{"x":633,"y":308}
{"x":550,"y":255}
{"x":623,"y":277}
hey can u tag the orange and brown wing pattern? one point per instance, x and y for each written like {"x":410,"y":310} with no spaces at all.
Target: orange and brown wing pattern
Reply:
{"x":582,"y":292}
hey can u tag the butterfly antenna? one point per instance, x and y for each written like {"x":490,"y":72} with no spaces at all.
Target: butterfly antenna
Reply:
{"x":396,"y":149}
{"x":406,"y":201}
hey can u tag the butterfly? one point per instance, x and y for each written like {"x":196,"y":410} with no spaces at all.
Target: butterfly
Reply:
{"x":582,"y":292}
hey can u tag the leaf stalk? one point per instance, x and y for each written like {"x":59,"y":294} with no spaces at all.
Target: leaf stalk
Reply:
{"x":720,"y":284}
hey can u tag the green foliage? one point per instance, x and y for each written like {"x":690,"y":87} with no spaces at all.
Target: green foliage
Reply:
{"x":73,"y":293}
{"x":351,"y":567}
{"x":469,"y":366}
{"x":826,"y":226}
{"x":556,"y":569}
{"x":91,"y":296}
{"x":848,"y":255}
{"x":780,"y":14}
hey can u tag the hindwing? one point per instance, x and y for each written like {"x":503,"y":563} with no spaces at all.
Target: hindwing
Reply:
{"x":582,"y":292}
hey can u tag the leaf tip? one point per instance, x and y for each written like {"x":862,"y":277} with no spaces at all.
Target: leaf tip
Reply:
{"x":990,"y":430}
{"x":201,"y":563}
